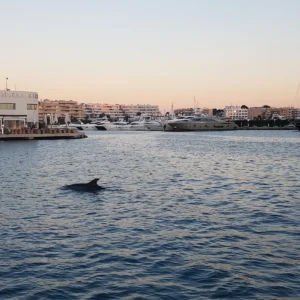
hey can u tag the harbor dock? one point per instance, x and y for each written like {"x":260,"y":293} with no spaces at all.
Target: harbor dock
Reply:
{"x":41,"y":134}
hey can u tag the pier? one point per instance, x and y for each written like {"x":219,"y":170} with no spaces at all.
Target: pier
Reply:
{"x":41,"y":134}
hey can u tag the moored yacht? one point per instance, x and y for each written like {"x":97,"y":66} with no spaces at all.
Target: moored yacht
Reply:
{"x":77,"y":125}
{"x":154,"y":125}
{"x":112,"y":126}
{"x":167,"y":125}
{"x":137,"y":126}
{"x":82,"y":126}
{"x":203,"y":124}
{"x":141,"y":125}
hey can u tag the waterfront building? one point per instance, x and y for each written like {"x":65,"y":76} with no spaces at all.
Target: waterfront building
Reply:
{"x":287,"y":112}
{"x":94,"y":111}
{"x":18,"y":109}
{"x":236,"y":113}
{"x":273,"y":112}
{"x":259,"y":113}
{"x":61,"y":108}
{"x":144,"y":109}
{"x":184,"y":111}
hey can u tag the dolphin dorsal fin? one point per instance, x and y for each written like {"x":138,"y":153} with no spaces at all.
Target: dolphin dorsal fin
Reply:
{"x":94,"y":181}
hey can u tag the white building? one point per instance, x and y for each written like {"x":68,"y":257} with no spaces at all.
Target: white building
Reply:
{"x":96,"y":110}
{"x":236,"y":113}
{"x":61,"y":108}
{"x":18,"y":109}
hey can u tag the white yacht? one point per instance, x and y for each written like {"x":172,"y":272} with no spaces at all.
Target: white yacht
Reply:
{"x":167,"y":125}
{"x":154,"y":125}
{"x":203,"y":124}
{"x":112,"y":126}
{"x":82,"y":126}
{"x":147,"y":125}
{"x":141,"y":125}
{"x":77,"y":125}
{"x":138,"y":126}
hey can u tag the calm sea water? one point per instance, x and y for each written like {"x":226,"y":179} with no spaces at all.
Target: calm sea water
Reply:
{"x":184,"y":216}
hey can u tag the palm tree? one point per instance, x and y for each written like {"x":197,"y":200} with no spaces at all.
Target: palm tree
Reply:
{"x":244,"y":106}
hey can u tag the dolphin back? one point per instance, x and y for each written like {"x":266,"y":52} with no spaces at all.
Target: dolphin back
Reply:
{"x":92,"y":186}
{"x":93,"y":182}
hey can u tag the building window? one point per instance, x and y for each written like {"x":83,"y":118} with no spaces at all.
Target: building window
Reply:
{"x":31,"y":106}
{"x":8,"y":106}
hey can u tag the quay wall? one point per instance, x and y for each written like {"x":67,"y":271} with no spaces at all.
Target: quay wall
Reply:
{"x":40,"y":134}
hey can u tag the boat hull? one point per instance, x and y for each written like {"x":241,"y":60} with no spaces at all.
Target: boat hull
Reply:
{"x":81,"y":127}
{"x":120,"y":128}
{"x":191,"y":126}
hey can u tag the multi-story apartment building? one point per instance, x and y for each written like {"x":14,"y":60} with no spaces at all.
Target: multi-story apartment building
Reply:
{"x":98,"y":110}
{"x":236,"y":113}
{"x":144,"y":109}
{"x":270,"y":112}
{"x":259,"y":113}
{"x":61,"y":108}
{"x":287,"y":112}
{"x":184,"y":111}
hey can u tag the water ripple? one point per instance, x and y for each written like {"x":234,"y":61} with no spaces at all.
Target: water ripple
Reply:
{"x":183,"y":216}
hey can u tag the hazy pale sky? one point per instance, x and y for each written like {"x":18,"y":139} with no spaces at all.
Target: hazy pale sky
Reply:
{"x":156,"y":51}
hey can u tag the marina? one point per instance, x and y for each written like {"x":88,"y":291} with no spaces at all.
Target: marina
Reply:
{"x":176,"y":123}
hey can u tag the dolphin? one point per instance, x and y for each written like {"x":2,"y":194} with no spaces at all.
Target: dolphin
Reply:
{"x":90,"y":187}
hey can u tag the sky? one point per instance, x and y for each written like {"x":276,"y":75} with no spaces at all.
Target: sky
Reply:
{"x":222,"y":52}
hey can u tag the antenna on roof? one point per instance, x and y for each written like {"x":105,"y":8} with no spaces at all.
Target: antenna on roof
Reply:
{"x":6,"y":78}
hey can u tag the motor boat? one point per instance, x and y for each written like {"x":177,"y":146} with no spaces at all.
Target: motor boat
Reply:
{"x":203,"y":124}
{"x":77,"y":125}
{"x":167,"y":125}
{"x":154,"y":125}
{"x":137,"y":126}
{"x":142,"y":125}
{"x":112,"y":126}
